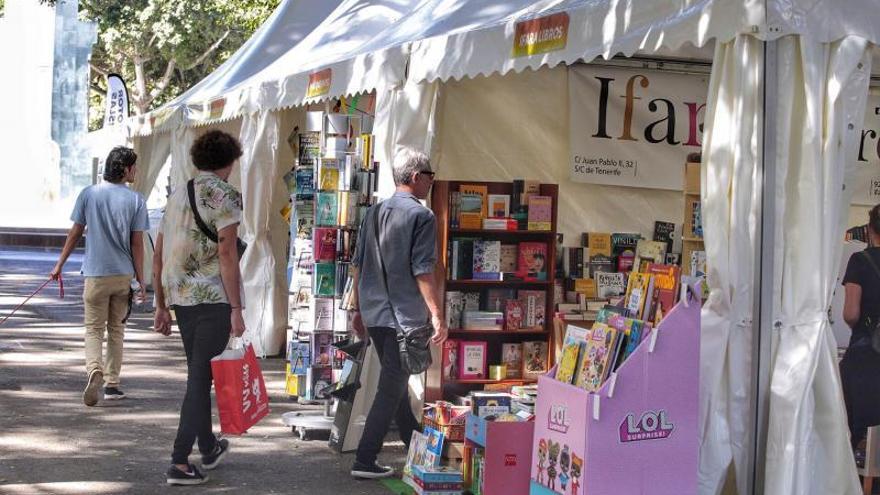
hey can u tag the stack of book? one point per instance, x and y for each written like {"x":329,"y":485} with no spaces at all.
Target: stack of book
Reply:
{"x":482,"y":259}
{"x":473,"y":208}
{"x":523,"y":402}
{"x":468,"y":360}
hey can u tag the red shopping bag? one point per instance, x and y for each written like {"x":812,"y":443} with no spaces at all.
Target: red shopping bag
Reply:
{"x":242,"y":400}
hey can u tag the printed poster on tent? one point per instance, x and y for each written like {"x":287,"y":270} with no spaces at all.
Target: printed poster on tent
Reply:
{"x":866,"y":186}
{"x":634,"y":127}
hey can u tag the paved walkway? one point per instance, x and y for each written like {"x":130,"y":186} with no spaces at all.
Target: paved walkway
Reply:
{"x":50,"y":443}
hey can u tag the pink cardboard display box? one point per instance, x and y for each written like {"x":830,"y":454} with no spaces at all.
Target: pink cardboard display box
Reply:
{"x":638,"y":433}
{"x":507,"y":456}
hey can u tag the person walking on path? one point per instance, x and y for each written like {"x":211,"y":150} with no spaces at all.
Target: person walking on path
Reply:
{"x":408,"y":240}
{"x":200,"y":280}
{"x":860,"y":366}
{"x":116,"y":218}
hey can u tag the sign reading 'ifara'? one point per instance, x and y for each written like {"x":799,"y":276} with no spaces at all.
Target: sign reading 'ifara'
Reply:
{"x":634,"y":127}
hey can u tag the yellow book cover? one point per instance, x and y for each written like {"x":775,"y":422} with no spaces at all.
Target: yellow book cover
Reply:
{"x":597,"y":357}
{"x":483,"y":192}
{"x":575,"y":337}
{"x":599,"y":244}
{"x":637,"y":293}
{"x":329,"y":179}
{"x":585,"y":286}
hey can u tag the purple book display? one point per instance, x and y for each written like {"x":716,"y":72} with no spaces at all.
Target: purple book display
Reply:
{"x":638,"y":434}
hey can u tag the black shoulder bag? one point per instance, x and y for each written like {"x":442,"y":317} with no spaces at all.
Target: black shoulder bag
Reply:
{"x":191,"y":190}
{"x":872,"y":323}
{"x":413,"y":344}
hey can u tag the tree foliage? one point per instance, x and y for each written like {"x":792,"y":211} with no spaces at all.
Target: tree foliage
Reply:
{"x":163,"y":47}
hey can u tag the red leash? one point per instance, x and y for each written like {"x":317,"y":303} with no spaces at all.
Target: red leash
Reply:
{"x":60,"y":293}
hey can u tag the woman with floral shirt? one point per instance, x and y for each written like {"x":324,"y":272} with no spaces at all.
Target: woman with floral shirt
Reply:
{"x":200,"y":280}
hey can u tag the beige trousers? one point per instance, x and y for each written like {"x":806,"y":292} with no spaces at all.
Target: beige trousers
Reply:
{"x":106,"y":304}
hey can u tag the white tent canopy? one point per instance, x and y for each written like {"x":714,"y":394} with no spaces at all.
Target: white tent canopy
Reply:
{"x":406,"y":50}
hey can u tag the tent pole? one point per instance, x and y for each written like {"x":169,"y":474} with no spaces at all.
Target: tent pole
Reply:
{"x":765,"y":267}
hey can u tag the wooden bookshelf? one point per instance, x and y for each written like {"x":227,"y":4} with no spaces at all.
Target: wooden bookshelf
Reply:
{"x":690,"y":242}
{"x":438,"y":388}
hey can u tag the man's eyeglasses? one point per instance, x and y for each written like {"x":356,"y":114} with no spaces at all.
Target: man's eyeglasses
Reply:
{"x":428,"y":173}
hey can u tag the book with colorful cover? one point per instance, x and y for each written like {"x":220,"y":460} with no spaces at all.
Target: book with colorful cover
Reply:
{"x":534,"y":303}
{"x":450,"y":359}
{"x":472,"y":360}
{"x":666,"y":283}
{"x":299,"y":356}
{"x":434,"y":447}
{"x":468,"y":194}
{"x":535,"y":355}
{"x":513,"y":315}
{"x":532,"y":261}
{"x":572,"y":346}
{"x":649,"y":252}
{"x":454,"y":209}
{"x":470,"y":215}
{"x":487,"y":260}
{"x":305,"y":183}
{"x":512,"y":359}
{"x":637,"y":293}
{"x":322,"y":348}
{"x":328,"y":179}
{"x":324,"y":248}
{"x":596,"y":360}
{"x":509,"y":258}
{"x":498,"y":206}
{"x":635,"y":331}
{"x":415,"y":456}
{"x":325,"y":279}
{"x":326,"y":209}
{"x":540,"y":213}
{"x":599,"y":244}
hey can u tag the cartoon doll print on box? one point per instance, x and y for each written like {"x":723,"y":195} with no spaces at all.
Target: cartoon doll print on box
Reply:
{"x":542,"y":460}
{"x":553,"y":449}
{"x":577,"y":465}
{"x":564,"y":466}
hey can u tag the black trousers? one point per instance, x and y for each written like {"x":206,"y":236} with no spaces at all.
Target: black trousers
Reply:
{"x":391,"y":399}
{"x":204,"y":329}
{"x":860,"y":375}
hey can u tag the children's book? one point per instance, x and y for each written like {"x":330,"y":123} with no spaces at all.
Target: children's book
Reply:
{"x":324,"y":248}
{"x":598,"y":351}
{"x":416,"y":454}
{"x":487,"y":260}
{"x":540,"y":213}
{"x":433,"y":447}
{"x":535,"y":355}
{"x":325,"y":279}
{"x":509,"y":258}
{"x":637,"y":293}
{"x":472,"y":357}
{"x":499,"y":206}
{"x":575,"y":339}
{"x":534,"y":303}
{"x":450,"y":359}
{"x":513,"y":315}
{"x":532,"y":262}
{"x":512,"y":359}
{"x":326,"y":209}
{"x":610,"y":284}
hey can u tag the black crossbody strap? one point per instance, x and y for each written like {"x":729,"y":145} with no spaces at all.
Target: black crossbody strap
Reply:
{"x":191,"y":190}
{"x":378,"y":245}
{"x":871,"y":262}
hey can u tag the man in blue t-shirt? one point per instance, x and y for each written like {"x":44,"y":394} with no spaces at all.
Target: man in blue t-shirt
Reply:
{"x":116,"y":218}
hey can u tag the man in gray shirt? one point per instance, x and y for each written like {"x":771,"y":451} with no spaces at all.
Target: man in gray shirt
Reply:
{"x":408,"y":240}
{"x":116,"y":218}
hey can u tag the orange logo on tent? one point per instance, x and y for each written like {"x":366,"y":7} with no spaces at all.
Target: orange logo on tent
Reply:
{"x":541,"y":35}
{"x":319,"y":83}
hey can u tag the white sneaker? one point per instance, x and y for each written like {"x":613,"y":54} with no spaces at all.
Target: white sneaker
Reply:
{"x":92,"y":393}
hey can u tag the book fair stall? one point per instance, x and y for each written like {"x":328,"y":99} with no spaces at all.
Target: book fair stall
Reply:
{"x":626,"y":209}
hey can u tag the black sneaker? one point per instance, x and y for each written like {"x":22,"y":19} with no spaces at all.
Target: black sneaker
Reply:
{"x":371,"y":471}
{"x":113,"y":393}
{"x":92,"y":393}
{"x":175,"y":476}
{"x":211,"y":460}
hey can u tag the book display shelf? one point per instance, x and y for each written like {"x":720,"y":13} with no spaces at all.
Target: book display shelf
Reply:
{"x":336,"y":182}
{"x":499,"y":312}
{"x":693,"y":252}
